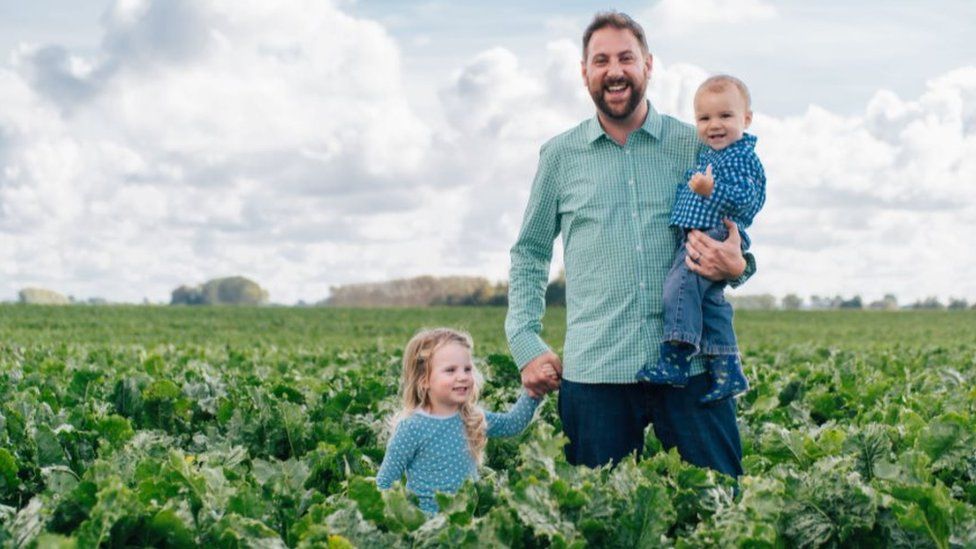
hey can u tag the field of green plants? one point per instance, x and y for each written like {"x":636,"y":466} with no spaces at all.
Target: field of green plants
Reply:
{"x":263,"y":427}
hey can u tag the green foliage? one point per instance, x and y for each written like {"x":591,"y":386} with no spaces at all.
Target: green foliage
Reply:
{"x":181,"y":427}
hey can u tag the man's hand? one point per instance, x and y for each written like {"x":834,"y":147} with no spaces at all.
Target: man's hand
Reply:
{"x":537,"y":376}
{"x":702,"y":183}
{"x":713,"y":259}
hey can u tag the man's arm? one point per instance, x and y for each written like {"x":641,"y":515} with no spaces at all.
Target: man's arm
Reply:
{"x":718,"y":260}
{"x":531,"y":256}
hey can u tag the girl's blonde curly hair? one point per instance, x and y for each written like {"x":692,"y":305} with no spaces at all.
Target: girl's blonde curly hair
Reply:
{"x":417,"y":358}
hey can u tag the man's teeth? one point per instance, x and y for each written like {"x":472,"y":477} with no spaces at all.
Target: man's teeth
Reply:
{"x":616,"y":87}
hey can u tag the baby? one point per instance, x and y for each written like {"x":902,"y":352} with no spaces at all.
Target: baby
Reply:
{"x":728,"y":182}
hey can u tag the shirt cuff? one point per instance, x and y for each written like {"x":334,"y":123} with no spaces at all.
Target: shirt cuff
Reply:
{"x":525,"y":347}
{"x":747,"y":273}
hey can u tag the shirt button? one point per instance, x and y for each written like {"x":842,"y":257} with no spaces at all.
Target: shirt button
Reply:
{"x":642,"y":285}
{"x":627,"y":151}
{"x":631,"y":182}
{"x":634,"y":215}
{"x":638,"y":247}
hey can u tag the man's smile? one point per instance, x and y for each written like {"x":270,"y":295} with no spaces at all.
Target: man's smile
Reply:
{"x":617,"y":89}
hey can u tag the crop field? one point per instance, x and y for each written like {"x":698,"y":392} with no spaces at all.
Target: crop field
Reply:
{"x":263,"y":427}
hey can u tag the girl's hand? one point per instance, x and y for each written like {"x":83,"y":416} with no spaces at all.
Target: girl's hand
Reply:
{"x":702,"y":183}
{"x":534,"y":377}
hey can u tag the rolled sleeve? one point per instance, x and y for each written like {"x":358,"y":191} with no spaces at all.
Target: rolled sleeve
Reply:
{"x":747,"y":273}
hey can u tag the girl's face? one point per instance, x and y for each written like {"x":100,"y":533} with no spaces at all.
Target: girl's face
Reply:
{"x":451,"y":379}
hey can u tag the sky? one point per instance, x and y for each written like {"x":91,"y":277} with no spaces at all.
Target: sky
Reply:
{"x":306,"y":144}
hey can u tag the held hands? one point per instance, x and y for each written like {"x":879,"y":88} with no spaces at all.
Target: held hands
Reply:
{"x":542,"y":374}
{"x":713,"y":259}
{"x":702,"y":183}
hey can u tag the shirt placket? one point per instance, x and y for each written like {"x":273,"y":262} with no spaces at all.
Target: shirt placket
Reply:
{"x":640,"y":247}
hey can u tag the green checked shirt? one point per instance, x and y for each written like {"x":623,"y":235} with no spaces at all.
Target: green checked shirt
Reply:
{"x":611,"y":204}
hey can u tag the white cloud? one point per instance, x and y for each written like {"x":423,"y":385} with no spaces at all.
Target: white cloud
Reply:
{"x":874,"y":203}
{"x":864,"y":204}
{"x":689,"y":16}
{"x":275,"y":141}
{"x":211,"y":133}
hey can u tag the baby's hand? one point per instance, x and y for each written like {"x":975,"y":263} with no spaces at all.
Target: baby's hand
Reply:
{"x":702,"y":183}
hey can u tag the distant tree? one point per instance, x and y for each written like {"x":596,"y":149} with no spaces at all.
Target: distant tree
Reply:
{"x":234,"y":290}
{"x":41,"y":296}
{"x":792,"y":302}
{"x":958,"y":304}
{"x":761,"y":302}
{"x":852,"y":303}
{"x":499,"y":296}
{"x":556,"y":291}
{"x":821,"y":302}
{"x":419,"y":291}
{"x":888,"y":303}
{"x":930,"y":302}
{"x":186,"y":295}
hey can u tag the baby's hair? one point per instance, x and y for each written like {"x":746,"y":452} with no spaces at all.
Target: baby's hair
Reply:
{"x":416,"y":372}
{"x":720,"y":82}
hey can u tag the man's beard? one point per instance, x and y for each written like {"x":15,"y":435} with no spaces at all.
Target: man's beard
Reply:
{"x":636,"y":97}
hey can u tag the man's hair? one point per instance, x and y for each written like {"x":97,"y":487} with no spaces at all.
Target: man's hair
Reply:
{"x":617,"y":20}
{"x":720,"y":82}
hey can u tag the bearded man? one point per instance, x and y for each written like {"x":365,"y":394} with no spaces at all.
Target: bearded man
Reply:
{"x":607,"y":186}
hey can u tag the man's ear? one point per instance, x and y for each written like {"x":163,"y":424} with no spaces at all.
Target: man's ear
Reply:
{"x":748,"y":118}
{"x":648,"y":63}
{"x":583,"y":72}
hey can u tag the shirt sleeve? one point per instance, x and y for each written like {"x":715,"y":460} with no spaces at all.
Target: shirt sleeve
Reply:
{"x":400,"y":452}
{"x":747,"y":273}
{"x":515,"y":420}
{"x":531,"y":256}
{"x":736,"y":188}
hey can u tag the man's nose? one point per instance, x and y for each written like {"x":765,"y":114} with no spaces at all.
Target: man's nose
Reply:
{"x":614,"y":68}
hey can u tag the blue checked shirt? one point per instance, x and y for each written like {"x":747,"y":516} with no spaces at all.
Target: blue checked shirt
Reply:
{"x":611,"y":204}
{"x":739,"y":192}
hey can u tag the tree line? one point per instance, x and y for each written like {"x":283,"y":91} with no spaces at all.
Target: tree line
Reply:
{"x":423,"y":291}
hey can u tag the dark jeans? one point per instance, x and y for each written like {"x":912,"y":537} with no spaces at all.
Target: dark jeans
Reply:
{"x":605,"y":422}
{"x":695,"y":309}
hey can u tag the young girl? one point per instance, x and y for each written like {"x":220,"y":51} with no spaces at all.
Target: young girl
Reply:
{"x":440,"y":433}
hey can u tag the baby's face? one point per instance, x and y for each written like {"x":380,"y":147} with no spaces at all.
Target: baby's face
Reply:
{"x":721,"y":116}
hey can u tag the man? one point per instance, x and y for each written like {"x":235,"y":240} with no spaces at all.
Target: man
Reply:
{"x":607,"y":187}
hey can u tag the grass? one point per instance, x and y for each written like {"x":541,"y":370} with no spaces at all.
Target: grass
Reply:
{"x":337,"y":328}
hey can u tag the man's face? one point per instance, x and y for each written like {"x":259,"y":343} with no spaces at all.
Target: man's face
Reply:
{"x":721,"y":116}
{"x":616,"y":71}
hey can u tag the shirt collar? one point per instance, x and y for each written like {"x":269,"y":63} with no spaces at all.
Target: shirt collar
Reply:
{"x":652,"y":125}
{"x":425,"y":413}
{"x":747,"y":142}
